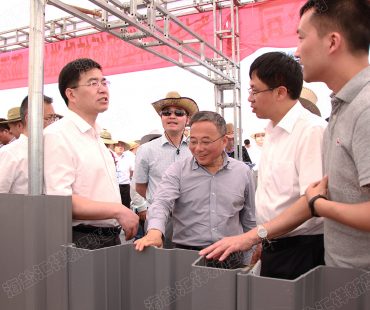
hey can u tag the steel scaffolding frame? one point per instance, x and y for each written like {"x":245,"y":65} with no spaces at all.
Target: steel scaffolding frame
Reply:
{"x":148,"y":24}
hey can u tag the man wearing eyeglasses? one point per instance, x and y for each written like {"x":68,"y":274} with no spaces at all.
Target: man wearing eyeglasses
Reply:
{"x":339,"y":30}
{"x":78,"y":164}
{"x":209,"y":194}
{"x":291,"y":159}
{"x":153,"y":158}
{"x":14,"y":157}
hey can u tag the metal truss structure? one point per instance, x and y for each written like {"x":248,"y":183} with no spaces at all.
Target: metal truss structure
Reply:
{"x":150,"y":25}
{"x":147,"y":25}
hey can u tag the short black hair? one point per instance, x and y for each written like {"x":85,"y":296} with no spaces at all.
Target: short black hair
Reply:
{"x":210,"y":116}
{"x":349,"y":17}
{"x":4,"y":126}
{"x":246,"y":141}
{"x":70,"y":74}
{"x":279,"y":69}
{"x":24,"y":106}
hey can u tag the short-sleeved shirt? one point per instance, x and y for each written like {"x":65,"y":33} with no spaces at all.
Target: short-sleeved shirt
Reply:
{"x":205,"y":207}
{"x":76,"y":161}
{"x":125,"y":164}
{"x":153,"y":159}
{"x":291,"y":160}
{"x":347,"y":164}
{"x":14,"y":167}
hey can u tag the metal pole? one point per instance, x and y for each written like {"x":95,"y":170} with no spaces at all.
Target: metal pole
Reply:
{"x":35,"y":97}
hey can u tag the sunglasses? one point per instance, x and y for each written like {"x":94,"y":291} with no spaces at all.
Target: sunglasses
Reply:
{"x":177,"y":113}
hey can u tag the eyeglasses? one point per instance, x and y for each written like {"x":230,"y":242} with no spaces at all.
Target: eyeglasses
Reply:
{"x":52,"y":118}
{"x":205,"y":143}
{"x":177,"y":112}
{"x":95,"y":84}
{"x":253,"y":92}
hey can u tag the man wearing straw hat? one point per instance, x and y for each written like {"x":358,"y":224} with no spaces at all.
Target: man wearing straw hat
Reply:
{"x":78,"y":164}
{"x":153,"y":158}
{"x":125,"y":169}
{"x":5,"y":135}
{"x":14,"y":122}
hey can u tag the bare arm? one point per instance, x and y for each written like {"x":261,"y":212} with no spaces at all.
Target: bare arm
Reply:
{"x":141,"y":189}
{"x":353,"y":215}
{"x":288,"y":220}
{"x":87,"y":209}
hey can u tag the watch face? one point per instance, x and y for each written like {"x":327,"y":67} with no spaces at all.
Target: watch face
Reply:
{"x":261,"y":232}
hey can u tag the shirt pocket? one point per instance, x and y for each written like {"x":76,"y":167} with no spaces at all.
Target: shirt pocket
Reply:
{"x":230,"y":203}
{"x":281,"y":178}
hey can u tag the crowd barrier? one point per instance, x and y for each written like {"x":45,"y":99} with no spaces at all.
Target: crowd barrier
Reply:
{"x":32,"y":262}
{"x":34,"y":229}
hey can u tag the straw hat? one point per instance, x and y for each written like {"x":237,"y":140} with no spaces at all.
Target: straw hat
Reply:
{"x":107,"y":137}
{"x":14,"y":115}
{"x":133,"y":145}
{"x":309,"y":99}
{"x":173,"y":99}
{"x":260,"y":133}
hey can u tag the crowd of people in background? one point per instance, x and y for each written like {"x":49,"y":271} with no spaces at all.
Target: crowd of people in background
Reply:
{"x":298,"y":197}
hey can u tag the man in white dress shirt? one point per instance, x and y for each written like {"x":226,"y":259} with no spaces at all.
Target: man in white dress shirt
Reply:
{"x":14,"y":156}
{"x":78,"y":164}
{"x":291,"y":159}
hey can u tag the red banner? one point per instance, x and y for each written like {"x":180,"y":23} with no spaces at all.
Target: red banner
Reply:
{"x":264,"y":24}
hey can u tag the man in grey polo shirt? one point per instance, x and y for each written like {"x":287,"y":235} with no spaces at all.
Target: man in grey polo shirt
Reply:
{"x":210,"y":194}
{"x":335,"y":50}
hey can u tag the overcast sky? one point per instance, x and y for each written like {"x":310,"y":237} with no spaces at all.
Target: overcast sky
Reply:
{"x":16,"y":13}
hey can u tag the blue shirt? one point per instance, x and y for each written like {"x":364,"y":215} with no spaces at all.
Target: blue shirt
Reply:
{"x":153,"y":159}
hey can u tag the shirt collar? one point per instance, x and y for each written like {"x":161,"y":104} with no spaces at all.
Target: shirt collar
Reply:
{"x":81,"y":124}
{"x":350,"y":90}
{"x":225,"y":165}
{"x":288,"y":121}
{"x":164,"y":140}
{"x":22,"y":137}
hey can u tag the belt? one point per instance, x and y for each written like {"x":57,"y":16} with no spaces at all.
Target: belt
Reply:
{"x":105,"y":231}
{"x":189,"y":247}
{"x":290,"y":242}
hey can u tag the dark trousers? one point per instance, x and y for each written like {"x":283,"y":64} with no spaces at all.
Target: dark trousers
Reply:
{"x":234,"y":260}
{"x":92,"y":238}
{"x":125,"y":194}
{"x":288,"y":258}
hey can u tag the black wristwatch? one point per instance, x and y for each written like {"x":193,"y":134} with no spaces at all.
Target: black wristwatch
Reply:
{"x":311,"y":204}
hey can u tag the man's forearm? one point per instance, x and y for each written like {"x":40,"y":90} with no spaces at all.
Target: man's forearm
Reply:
{"x":87,"y":209}
{"x":353,"y":215}
{"x":141,"y":189}
{"x":289,"y":219}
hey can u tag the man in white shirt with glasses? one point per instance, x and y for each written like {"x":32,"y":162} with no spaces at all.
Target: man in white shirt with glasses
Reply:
{"x":78,"y":164}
